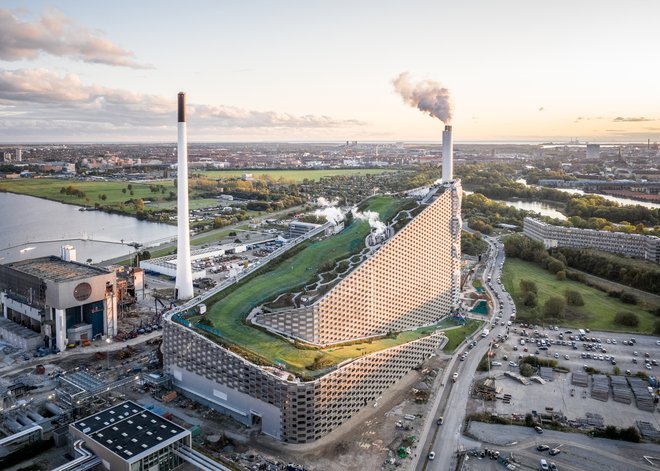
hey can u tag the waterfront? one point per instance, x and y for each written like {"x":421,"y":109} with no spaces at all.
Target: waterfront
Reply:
{"x":543,"y":208}
{"x":26,"y":221}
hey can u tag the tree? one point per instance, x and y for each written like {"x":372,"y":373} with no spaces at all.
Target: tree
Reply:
{"x":139,"y":204}
{"x":555,"y":307}
{"x":104,"y":197}
{"x":528,"y":286}
{"x":129,"y":186}
{"x":555,"y":265}
{"x":629,"y":319}
{"x":656,"y":327}
{"x":573,"y":298}
{"x":616,"y":371}
{"x":527,"y":370}
{"x":123,"y":190}
{"x":560,"y":275}
{"x":530,"y":299}
{"x":529,"y":419}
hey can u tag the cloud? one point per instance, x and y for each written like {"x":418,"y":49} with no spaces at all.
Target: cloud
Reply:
{"x":541,"y":108}
{"x":56,"y":34}
{"x":33,"y":97}
{"x":639,"y":119}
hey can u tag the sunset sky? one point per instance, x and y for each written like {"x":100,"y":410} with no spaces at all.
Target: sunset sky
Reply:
{"x":517,"y":70}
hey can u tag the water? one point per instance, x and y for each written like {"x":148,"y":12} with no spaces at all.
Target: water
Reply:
{"x":623,"y":201}
{"x":25,"y":221}
{"x":545,"y":209}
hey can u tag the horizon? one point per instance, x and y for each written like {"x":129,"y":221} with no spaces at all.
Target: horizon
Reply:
{"x":263,"y":72}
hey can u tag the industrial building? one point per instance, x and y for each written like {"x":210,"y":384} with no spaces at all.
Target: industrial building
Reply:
{"x":631,"y":245}
{"x":128,"y":437}
{"x":51,"y":302}
{"x":413,"y":280}
{"x":297,"y":228}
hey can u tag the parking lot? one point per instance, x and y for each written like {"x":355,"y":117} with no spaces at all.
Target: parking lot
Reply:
{"x":558,"y":395}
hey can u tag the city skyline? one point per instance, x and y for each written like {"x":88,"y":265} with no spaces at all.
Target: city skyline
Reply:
{"x":301,"y":72}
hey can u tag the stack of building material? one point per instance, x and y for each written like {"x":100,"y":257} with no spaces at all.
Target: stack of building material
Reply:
{"x":648,"y":430}
{"x":600,"y":388}
{"x":620,"y":389}
{"x":643,"y":397}
{"x":546,"y":373}
{"x":579,"y":378}
{"x":595,"y":420}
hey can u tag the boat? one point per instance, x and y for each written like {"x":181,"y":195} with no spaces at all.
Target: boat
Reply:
{"x":27,"y":249}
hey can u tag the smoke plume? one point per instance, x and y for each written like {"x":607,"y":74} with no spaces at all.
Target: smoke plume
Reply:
{"x":329,"y":210}
{"x":428,"y":96}
{"x":372,"y":218}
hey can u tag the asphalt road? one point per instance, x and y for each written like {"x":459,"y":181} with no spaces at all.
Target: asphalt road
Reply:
{"x":451,"y":404}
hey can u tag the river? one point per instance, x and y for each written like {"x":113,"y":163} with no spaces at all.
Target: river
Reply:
{"x":545,"y":209}
{"x":26,"y":221}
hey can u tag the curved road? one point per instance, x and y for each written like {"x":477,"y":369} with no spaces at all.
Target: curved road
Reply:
{"x":445,"y":439}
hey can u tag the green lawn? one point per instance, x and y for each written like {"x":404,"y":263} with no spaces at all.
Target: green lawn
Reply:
{"x":49,"y":188}
{"x":457,"y":335}
{"x":296,"y":176}
{"x":227,"y":311}
{"x":597,"y":313}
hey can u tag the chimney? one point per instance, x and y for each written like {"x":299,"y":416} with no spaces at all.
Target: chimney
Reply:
{"x":183,"y":287}
{"x":447,"y":155}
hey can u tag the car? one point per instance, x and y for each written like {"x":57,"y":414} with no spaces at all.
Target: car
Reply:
{"x":657,"y":342}
{"x":554,"y":451}
{"x":515,"y":348}
{"x":538,"y":429}
{"x":455,"y":376}
{"x":543,"y":465}
{"x":635,"y":354}
{"x":649,"y":367}
{"x":655,"y":362}
{"x":432,"y":455}
{"x":634,"y":360}
{"x":440,"y":421}
{"x":566,"y":357}
{"x":613,"y":341}
{"x":608,"y":340}
{"x":556,"y":355}
{"x":513,"y":364}
{"x":496,"y":363}
{"x":553,"y":467}
{"x":542,"y":447}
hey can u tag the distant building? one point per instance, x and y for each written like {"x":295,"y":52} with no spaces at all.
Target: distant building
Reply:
{"x":6,"y":157}
{"x":19,"y":155}
{"x":246,"y":177}
{"x":128,"y":437}
{"x":297,"y":228}
{"x":632,"y":245}
{"x":60,"y":301}
{"x":593,"y":151}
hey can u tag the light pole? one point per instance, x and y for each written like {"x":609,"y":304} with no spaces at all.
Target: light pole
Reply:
{"x":107,"y":353}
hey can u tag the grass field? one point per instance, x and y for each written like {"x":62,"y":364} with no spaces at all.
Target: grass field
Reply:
{"x":457,"y":335}
{"x":597,"y":313}
{"x":227,"y":312}
{"x":296,"y":176}
{"x":49,"y":188}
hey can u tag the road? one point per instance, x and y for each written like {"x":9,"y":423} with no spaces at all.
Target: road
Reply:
{"x":445,"y":439}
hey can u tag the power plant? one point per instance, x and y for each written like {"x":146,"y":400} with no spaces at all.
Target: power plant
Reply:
{"x":183,"y":287}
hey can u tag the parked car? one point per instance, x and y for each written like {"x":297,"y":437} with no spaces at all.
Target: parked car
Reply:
{"x":542,"y":447}
{"x":543,"y":465}
{"x":440,"y":421}
{"x":432,"y":455}
{"x":554,"y":451}
{"x":538,"y":429}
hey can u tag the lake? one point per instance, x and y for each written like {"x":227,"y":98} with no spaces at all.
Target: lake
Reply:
{"x":26,"y":221}
{"x":545,"y":209}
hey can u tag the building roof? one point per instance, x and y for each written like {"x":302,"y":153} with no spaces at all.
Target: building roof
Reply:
{"x":129,"y":430}
{"x":55,"y":269}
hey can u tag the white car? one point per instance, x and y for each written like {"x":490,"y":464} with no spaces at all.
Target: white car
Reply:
{"x":432,"y":455}
{"x":566,"y":357}
{"x":496,"y":363}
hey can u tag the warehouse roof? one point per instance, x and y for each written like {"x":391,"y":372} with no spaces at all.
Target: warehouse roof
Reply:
{"x":55,"y":269}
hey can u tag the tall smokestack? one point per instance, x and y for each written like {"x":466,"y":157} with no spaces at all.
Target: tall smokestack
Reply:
{"x":447,"y":155}
{"x":183,"y":287}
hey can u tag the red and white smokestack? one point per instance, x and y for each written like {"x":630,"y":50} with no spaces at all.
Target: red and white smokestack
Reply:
{"x":183,"y":286}
{"x":447,"y":155}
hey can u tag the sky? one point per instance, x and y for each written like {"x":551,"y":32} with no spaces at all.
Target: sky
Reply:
{"x":265,"y":70}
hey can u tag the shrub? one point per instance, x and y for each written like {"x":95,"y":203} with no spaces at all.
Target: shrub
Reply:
{"x":629,"y":319}
{"x":555,"y":307}
{"x":528,"y":286}
{"x":573,"y":298}
{"x":530,"y":299}
{"x":628,"y":298}
{"x":560,"y":275}
{"x":527,"y":370}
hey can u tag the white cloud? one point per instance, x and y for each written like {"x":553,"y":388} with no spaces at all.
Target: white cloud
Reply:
{"x":56,"y":34}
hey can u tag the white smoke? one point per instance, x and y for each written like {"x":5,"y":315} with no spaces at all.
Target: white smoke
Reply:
{"x":372,"y":218}
{"x":331,"y":213}
{"x":419,"y":193}
{"x":427,"y":96}
{"x":329,"y":210}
